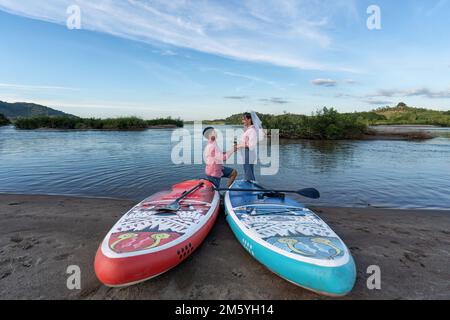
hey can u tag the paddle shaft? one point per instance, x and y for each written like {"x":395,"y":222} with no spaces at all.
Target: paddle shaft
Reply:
{"x":188,"y":192}
{"x":308,"y":192}
{"x":257,"y":190}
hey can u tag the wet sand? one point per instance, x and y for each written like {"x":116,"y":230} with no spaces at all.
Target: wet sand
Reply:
{"x":42,"y":235}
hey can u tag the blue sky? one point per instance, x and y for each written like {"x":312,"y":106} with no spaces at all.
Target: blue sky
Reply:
{"x":210,"y":59}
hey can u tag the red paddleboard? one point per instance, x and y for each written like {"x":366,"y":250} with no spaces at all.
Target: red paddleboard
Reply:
{"x":148,"y":241}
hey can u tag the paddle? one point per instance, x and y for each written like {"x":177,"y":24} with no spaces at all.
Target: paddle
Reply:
{"x":175,"y":206}
{"x":307,"y":193}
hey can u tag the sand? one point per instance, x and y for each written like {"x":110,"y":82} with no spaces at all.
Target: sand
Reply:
{"x":42,"y":235}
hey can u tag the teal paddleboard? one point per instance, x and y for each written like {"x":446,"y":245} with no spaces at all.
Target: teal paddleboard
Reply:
{"x":290,"y":240}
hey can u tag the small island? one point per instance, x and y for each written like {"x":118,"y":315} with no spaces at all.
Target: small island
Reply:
{"x":31,"y":116}
{"x":74,"y":123}
{"x":328,"y":124}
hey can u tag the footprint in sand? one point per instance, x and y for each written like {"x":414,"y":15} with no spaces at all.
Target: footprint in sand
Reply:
{"x":16,"y":239}
{"x":5,"y":274}
{"x":61,"y":257}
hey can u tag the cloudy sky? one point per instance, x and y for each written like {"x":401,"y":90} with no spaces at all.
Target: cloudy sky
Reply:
{"x":209,"y":59}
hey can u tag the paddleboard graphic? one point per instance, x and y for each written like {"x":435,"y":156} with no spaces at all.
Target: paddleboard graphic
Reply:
{"x":149,"y":239}
{"x":290,"y":240}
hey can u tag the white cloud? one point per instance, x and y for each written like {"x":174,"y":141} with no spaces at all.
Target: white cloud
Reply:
{"x":379,"y":102}
{"x":324,"y":82}
{"x":236,"y":97}
{"x":275,"y":100}
{"x":34,"y":87}
{"x":415,"y":92}
{"x":273,"y":31}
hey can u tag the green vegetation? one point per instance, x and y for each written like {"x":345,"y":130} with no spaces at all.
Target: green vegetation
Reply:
{"x":326,"y":124}
{"x":4,"y":120}
{"x":67,"y":123}
{"x":22,"y":109}
{"x":166,"y":122}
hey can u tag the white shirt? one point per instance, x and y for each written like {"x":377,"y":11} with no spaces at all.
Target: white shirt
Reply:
{"x":250,"y":137}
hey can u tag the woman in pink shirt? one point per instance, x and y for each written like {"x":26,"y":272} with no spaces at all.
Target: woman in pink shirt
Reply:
{"x":214,"y":157}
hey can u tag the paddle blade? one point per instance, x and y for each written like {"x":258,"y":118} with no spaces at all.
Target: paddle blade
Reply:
{"x":309,"y":193}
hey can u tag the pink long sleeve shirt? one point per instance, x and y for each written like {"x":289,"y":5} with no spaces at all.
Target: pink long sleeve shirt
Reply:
{"x":214,"y":158}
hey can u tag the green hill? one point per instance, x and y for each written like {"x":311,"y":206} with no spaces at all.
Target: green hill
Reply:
{"x":404,"y":115}
{"x":28,"y":110}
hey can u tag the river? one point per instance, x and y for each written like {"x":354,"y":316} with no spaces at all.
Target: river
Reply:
{"x":133,"y":165}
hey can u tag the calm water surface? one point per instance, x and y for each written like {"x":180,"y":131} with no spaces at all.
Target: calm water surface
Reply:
{"x":132,"y":165}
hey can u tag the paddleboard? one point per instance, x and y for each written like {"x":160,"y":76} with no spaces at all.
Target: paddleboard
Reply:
{"x":148,"y":241}
{"x":290,"y":240}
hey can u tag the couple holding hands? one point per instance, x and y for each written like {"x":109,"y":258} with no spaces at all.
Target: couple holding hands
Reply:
{"x":214,"y":157}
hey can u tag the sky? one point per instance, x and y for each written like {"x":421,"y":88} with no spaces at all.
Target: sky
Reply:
{"x":210,"y":59}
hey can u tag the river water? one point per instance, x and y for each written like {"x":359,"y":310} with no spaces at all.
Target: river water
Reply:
{"x":133,"y":165}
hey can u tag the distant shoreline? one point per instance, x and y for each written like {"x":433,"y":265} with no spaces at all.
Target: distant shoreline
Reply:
{"x":160,"y":127}
{"x":110,"y":124}
{"x":380,"y":132}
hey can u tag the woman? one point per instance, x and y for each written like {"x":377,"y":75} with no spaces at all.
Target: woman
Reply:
{"x":249,"y":142}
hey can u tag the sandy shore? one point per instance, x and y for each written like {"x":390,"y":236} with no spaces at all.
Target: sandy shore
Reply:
{"x":42,"y":235}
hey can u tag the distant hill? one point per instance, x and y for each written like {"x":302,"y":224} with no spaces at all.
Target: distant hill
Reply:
{"x":404,"y":114}
{"x":28,"y":110}
{"x":4,"y":120}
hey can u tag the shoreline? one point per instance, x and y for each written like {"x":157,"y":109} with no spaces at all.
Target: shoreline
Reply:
{"x":375,"y":133}
{"x":100,"y":130}
{"x":43,"y":235}
{"x":136,"y":201}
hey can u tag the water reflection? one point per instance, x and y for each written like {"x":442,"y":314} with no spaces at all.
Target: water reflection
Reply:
{"x":320,"y":156}
{"x":134,"y":165}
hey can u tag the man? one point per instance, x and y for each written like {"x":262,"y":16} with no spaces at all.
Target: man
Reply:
{"x":214,"y":157}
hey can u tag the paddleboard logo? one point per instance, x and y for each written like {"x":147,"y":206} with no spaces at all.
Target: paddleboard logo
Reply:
{"x":149,"y":219}
{"x":136,"y":241}
{"x":144,"y":227}
{"x":273,"y":225}
{"x":319,"y":248}
{"x":303,"y":233}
